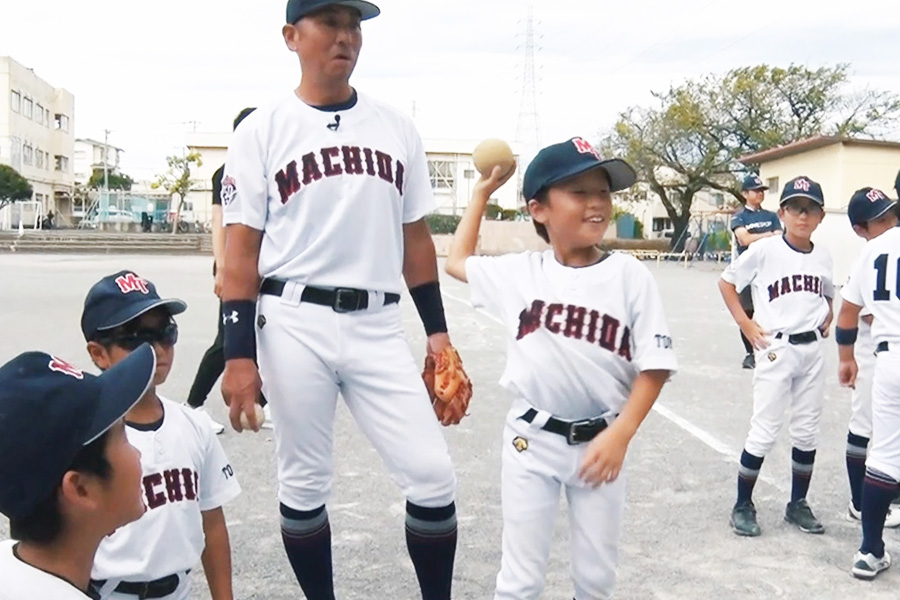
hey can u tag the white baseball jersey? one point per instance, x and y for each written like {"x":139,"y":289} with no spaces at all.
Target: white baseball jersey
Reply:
{"x":21,"y":581}
{"x":789,"y":286}
{"x":330,"y":189}
{"x":577,"y":336}
{"x":185,"y":472}
{"x":875,"y":285}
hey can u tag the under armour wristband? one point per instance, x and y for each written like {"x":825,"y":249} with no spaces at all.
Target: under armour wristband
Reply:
{"x":430,"y":305}
{"x":845,"y":337}
{"x":240,"y":337}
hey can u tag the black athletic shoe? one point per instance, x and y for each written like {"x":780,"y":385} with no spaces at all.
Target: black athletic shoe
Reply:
{"x":749,"y":362}
{"x":743,"y":519}
{"x":800,"y":514}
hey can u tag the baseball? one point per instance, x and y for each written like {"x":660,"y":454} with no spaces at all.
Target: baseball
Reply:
{"x":490,"y":153}
{"x":260,"y":417}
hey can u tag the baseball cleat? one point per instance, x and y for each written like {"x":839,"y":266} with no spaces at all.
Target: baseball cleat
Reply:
{"x":749,"y":362}
{"x":867,"y":566}
{"x":743,"y":519}
{"x":267,"y":424}
{"x":800,"y":514}
{"x":891,"y":520}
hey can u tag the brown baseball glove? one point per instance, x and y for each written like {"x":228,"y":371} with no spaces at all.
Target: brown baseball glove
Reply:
{"x":448,"y":386}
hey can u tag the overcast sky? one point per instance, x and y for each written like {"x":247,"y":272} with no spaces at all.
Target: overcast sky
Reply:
{"x":151,"y":72}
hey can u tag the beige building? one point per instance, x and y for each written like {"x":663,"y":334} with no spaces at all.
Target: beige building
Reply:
{"x":90,"y":155}
{"x":841,"y":166}
{"x":37,"y":136}
{"x":449,"y":164}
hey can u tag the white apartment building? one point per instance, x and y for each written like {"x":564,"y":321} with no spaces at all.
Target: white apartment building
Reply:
{"x":90,"y":156}
{"x":37,"y":136}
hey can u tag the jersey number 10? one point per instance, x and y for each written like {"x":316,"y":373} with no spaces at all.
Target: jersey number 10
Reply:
{"x":881,"y":292}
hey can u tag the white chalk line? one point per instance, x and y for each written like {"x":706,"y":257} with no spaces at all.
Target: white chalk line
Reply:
{"x":694,"y":431}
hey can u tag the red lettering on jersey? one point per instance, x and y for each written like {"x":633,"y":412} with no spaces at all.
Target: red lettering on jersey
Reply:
{"x":190,"y":484}
{"x":625,"y":344}
{"x":608,"y":331}
{"x":154,"y":499}
{"x":574,"y":321}
{"x":311,"y":170}
{"x":592,"y":327}
{"x":817,"y":287}
{"x":288,"y":181}
{"x":173,"y":485}
{"x":385,"y":168}
{"x":60,"y":366}
{"x":530,"y":319}
{"x":808,"y":283}
{"x":797,"y":280}
{"x":352,"y":160}
{"x":773,"y":291}
{"x":785,"y":285}
{"x":331,"y":169}
{"x":370,"y":163}
{"x":553,"y":311}
{"x":585,"y":147}
{"x":398,"y":177}
{"x":130,"y":282}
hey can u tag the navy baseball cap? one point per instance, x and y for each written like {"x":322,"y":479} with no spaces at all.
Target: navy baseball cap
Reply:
{"x":119,"y":298}
{"x":568,"y":159}
{"x":50,"y":410}
{"x":868,"y":204}
{"x":897,"y":185}
{"x":802,"y":187}
{"x":297,"y":9}
{"x":753,"y":182}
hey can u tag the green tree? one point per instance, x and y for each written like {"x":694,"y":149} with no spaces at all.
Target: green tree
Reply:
{"x":115,"y":181}
{"x":177,"y":180}
{"x":13,"y":187}
{"x":693,"y":134}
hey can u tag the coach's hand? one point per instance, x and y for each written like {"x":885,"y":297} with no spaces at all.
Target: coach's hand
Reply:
{"x":604,"y":456}
{"x":759,"y":337}
{"x":241,"y":386}
{"x":847,"y":370}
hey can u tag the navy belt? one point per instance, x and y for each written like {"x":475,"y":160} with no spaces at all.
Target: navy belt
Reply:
{"x":158,"y":588}
{"x":341,"y":300}
{"x":882,"y":347}
{"x":575,"y":432}
{"x":807,"y":337}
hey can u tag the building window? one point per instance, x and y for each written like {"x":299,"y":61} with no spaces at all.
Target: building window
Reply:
{"x":772,"y":182}
{"x":662,"y":224}
{"x":47,"y":117}
{"x":15,"y":152}
{"x":62,"y":163}
{"x":62,"y":122}
{"x":718,"y":200}
{"x":28,"y":108}
{"x":27,"y":154}
{"x":39,"y":114}
{"x":441,"y":172}
{"x":39,"y":159}
{"x":15,"y":101}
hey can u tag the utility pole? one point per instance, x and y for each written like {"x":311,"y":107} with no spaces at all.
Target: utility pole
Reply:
{"x":106,"y":161}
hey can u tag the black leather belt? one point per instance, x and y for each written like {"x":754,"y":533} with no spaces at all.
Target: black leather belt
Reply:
{"x":807,"y":337}
{"x":575,"y":432}
{"x":341,"y":300}
{"x":882,"y":347}
{"x":158,"y":588}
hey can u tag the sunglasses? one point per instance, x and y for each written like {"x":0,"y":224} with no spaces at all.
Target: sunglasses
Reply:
{"x":795,"y":209}
{"x":166,"y":336}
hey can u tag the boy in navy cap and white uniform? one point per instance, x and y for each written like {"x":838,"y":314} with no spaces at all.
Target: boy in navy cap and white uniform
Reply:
{"x":588,"y":350}
{"x":791,"y":283}
{"x":187,"y":478}
{"x":750,"y":224}
{"x":873,"y":287}
{"x":70,"y":477}
{"x":871,"y":213}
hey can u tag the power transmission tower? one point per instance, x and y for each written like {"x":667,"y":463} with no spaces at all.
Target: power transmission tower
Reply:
{"x":528,"y":128}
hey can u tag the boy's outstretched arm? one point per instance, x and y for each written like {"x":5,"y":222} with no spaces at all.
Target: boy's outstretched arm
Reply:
{"x":466,"y":237}
{"x":216,"y":557}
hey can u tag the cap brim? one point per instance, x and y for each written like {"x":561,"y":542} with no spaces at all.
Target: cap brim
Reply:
{"x":621,"y":175}
{"x":801,"y":195}
{"x":121,"y":387}
{"x":367,"y":10}
{"x":753,"y":189}
{"x":133,"y":311}
{"x":888,"y":206}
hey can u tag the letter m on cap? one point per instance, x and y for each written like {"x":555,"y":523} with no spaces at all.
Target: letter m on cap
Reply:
{"x":61,"y":366}
{"x":585,"y":147}
{"x":130,"y":282}
{"x":875,"y":195}
{"x":802,"y":184}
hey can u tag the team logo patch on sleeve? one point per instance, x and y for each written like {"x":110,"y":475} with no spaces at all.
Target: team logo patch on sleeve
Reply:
{"x":520,"y":444}
{"x":229,"y":190}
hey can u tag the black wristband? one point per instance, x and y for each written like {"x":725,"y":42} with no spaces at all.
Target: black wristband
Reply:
{"x":238,"y":317}
{"x":845,"y":337}
{"x":430,"y":305}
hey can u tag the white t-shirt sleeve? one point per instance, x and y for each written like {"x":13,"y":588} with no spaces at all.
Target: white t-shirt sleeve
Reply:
{"x":418,"y":197}
{"x":651,"y":340}
{"x":218,"y":483}
{"x":742,"y":271}
{"x":245,"y":198}
{"x":490,"y":277}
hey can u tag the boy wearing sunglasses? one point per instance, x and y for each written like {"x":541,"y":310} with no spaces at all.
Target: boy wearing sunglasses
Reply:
{"x":792,"y":286}
{"x":186,"y":475}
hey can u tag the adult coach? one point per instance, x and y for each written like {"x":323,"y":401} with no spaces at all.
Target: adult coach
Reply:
{"x":752,"y":223}
{"x":325,"y":194}
{"x":213,"y":362}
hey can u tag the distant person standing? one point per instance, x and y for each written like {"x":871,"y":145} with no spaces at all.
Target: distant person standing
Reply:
{"x":750,"y":224}
{"x":213,"y":362}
